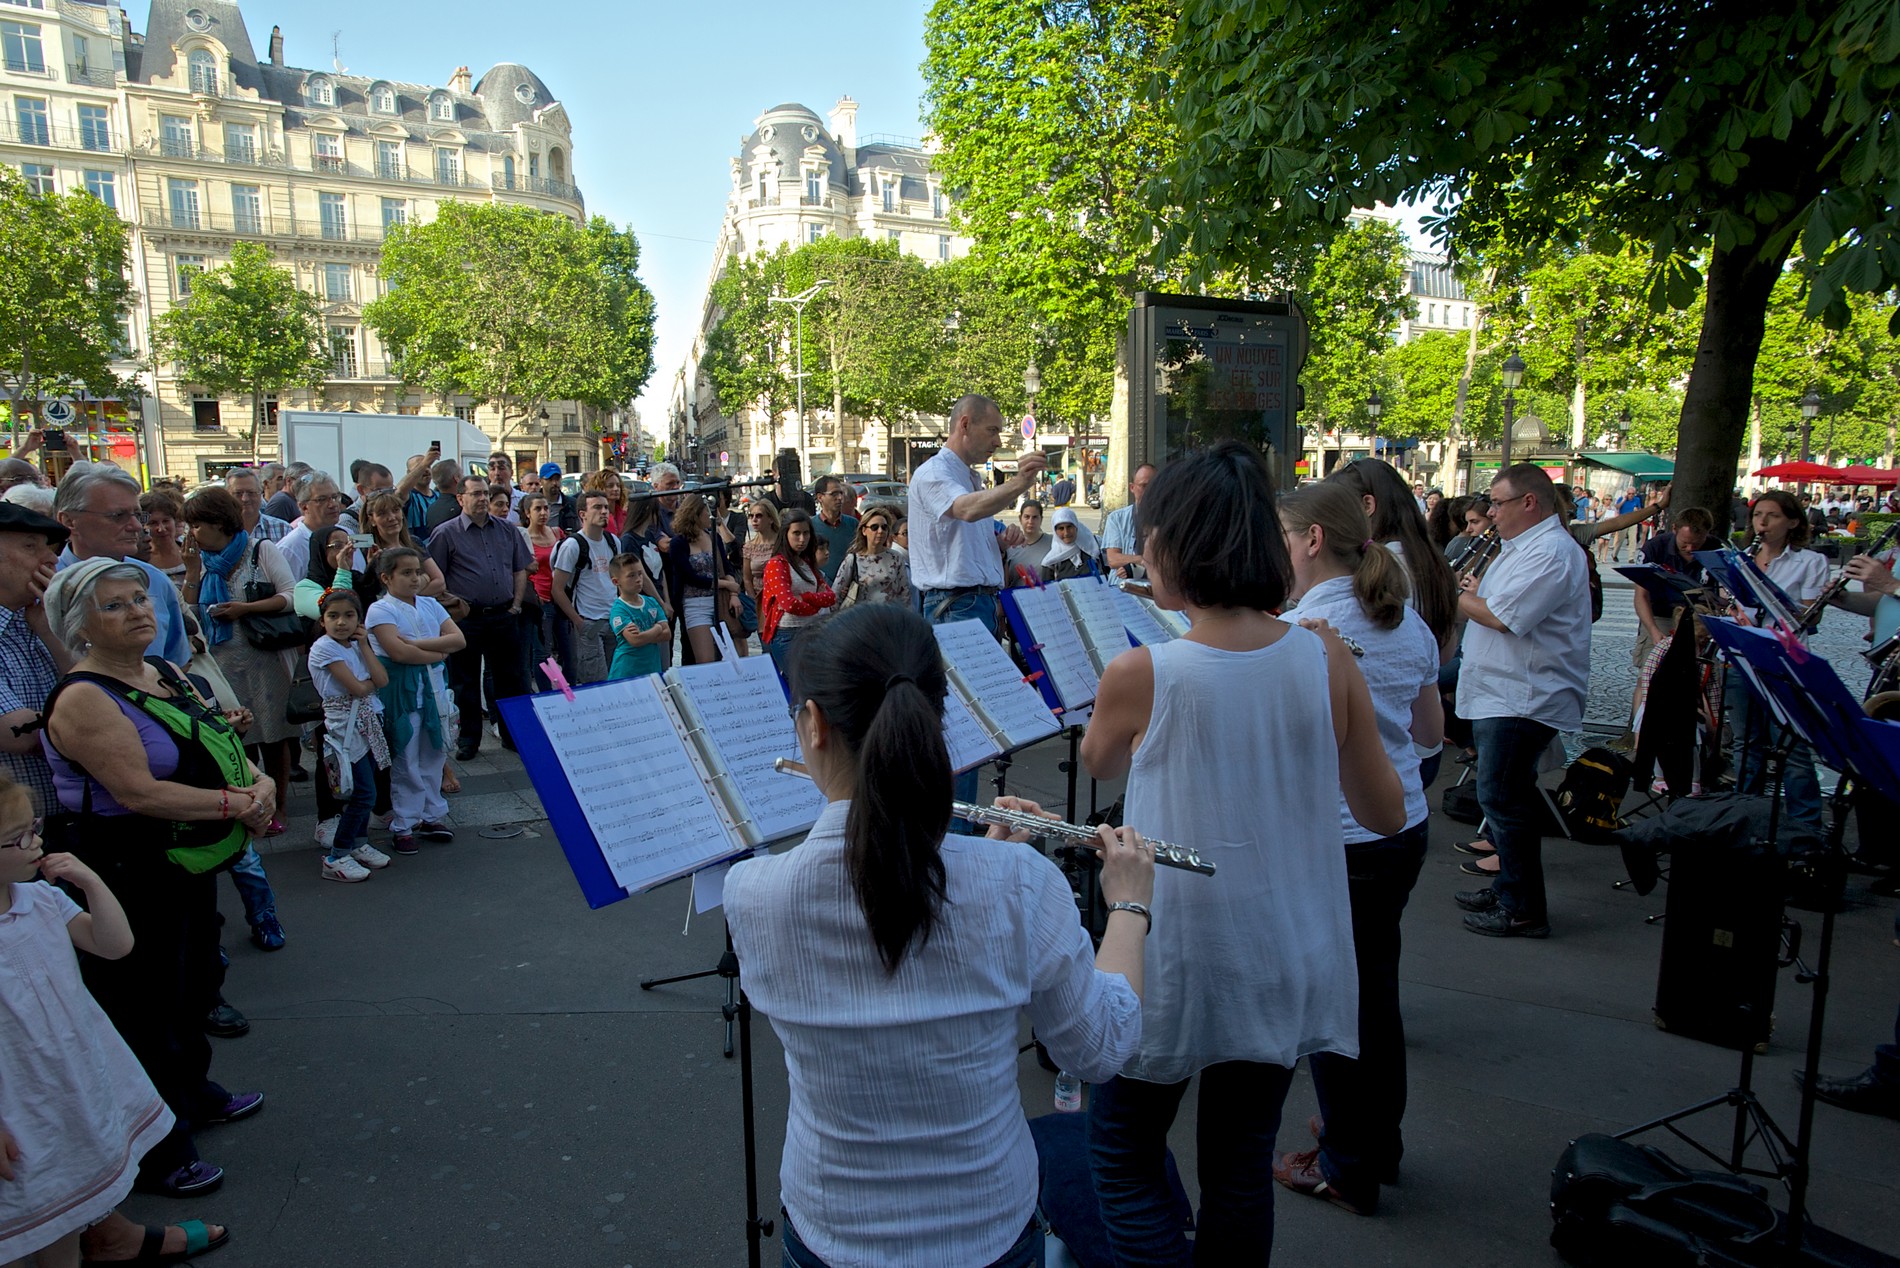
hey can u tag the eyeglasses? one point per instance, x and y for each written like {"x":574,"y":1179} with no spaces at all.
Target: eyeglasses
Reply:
{"x":117,"y":518}
{"x":26,"y":840}
{"x":323,"y":499}
{"x":793,"y":710}
{"x":877,"y":528}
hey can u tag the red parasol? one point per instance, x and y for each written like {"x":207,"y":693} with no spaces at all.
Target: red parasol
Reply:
{"x":1877,"y":477}
{"x":1801,"y":472}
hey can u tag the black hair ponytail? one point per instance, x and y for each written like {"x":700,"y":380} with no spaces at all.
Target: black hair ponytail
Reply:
{"x":877,"y":674}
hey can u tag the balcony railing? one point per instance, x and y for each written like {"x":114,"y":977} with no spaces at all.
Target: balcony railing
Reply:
{"x":91,"y":76}
{"x":27,"y":66}
{"x":354,"y":369}
{"x":58,"y":136}
{"x":536,"y":185}
{"x":322,"y":165}
{"x":262,"y":226}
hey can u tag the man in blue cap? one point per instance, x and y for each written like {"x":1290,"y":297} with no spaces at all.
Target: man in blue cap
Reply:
{"x":563,"y":513}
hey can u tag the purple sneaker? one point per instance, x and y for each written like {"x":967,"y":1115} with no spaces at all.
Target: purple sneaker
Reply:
{"x":243,"y":1105}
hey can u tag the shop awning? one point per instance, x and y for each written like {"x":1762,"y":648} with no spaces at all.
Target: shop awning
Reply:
{"x":1639,"y":466}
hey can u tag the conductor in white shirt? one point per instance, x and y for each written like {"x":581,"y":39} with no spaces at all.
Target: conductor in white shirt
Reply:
{"x":1526,"y":668}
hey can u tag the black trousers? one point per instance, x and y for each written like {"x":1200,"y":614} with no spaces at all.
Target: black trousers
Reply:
{"x":494,"y":640}
{"x":158,"y":996}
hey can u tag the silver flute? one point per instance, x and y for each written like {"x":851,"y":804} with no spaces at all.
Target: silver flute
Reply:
{"x":1166,"y":855}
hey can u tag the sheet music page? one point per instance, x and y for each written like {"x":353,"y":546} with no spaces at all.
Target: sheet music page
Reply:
{"x":1168,"y":618}
{"x":969,"y":744}
{"x":635,"y":781}
{"x":1011,"y":705}
{"x":740,"y":709}
{"x":1139,"y":621}
{"x":1062,"y":651}
{"x":1094,"y":606}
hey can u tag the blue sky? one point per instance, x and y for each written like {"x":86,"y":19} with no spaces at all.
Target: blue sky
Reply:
{"x":659,"y":95}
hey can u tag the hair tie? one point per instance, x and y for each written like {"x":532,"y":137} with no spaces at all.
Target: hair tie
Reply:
{"x":1365,"y":545}
{"x":894,"y":679}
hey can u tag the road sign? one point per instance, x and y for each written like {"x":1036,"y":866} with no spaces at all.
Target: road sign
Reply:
{"x":725,"y":459}
{"x":1029,"y":426}
{"x":58,"y":412}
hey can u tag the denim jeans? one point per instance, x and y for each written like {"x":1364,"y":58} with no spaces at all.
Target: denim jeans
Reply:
{"x":1026,"y":1253}
{"x":253,"y":887}
{"x":1508,"y":751}
{"x":1233,"y":1137}
{"x":352,"y":828}
{"x":1887,"y":1059}
{"x":1363,"y":1101}
{"x":1755,"y":729}
{"x":781,"y":645}
{"x":970,"y":606}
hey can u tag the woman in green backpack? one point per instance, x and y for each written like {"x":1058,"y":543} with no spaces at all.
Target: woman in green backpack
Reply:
{"x":157,"y":796}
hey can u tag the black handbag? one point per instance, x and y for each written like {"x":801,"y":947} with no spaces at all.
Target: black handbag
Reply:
{"x":303,"y":704}
{"x":277,"y":631}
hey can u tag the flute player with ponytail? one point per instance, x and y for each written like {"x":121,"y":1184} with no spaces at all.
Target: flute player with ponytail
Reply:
{"x":894,"y":961}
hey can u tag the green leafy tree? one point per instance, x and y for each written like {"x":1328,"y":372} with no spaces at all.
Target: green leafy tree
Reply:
{"x":516,"y":309}
{"x":247,"y":328}
{"x":1714,"y":138}
{"x":1855,"y":371}
{"x":1354,"y":296}
{"x":1420,"y":378}
{"x":748,"y":356}
{"x":63,"y":295}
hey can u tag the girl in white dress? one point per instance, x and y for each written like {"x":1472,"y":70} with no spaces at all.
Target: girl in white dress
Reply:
{"x":412,"y":635}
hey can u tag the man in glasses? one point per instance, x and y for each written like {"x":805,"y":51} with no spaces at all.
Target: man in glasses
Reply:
{"x":98,"y":504}
{"x":1526,"y":668}
{"x":833,"y":526}
{"x":321,"y":503}
{"x":244,"y":484}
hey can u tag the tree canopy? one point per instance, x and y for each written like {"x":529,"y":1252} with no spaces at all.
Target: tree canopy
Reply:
{"x":1714,"y":138}
{"x":246,"y":328}
{"x":63,"y":294}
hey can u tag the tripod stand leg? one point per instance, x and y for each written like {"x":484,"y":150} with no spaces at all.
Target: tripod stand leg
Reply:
{"x":755,"y":1228}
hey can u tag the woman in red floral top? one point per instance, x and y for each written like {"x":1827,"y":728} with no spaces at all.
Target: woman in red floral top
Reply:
{"x":795,"y":590}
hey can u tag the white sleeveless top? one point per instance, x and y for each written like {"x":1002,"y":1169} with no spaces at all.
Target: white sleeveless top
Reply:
{"x":1240,"y":761}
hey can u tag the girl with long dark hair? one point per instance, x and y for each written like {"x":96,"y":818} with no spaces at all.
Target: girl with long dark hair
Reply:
{"x":1395,"y":522}
{"x":795,"y":587}
{"x":894,"y":962}
{"x":1238,"y":738}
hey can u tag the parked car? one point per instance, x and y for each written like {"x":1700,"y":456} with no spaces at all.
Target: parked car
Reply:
{"x":571,"y":484}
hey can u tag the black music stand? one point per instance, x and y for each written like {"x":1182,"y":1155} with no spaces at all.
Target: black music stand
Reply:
{"x":1808,"y":696}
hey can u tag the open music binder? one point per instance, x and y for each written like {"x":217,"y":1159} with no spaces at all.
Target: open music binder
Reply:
{"x":1071,"y":630}
{"x":1004,"y":712}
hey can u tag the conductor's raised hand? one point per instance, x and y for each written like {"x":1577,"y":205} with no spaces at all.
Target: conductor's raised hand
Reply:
{"x":1128,"y":866}
{"x":1029,"y":464}
{"x":998,"y":832}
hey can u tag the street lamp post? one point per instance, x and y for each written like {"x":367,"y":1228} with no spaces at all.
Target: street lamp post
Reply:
{"x":1375,"y":406}
{"x":1810,"y":410}
{"x":798,"y":303}
{"x":547,"y":441}
{"x":1513,"y":375}
{"x":1623,"y":428}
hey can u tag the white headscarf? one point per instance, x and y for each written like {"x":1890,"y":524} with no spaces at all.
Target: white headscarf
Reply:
{"x":1084,"y":540}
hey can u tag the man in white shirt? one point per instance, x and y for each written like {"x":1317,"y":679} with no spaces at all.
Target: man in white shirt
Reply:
{"x":1526,"y":668}
{"x":321,"y":502}
{"x":956,"y":554}
{"x":243,"y":484}
{"x":583,"y":590}
{"x":1121,"y":534}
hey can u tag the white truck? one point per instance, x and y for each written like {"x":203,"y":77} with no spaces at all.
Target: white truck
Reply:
{"x":330,"y":440}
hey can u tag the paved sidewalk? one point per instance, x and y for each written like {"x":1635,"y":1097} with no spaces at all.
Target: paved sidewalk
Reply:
{"x":462,"y":1069}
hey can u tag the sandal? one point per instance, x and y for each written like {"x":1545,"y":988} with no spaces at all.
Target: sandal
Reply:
{"x":450,"y":784}
{"x":198,"y":1240}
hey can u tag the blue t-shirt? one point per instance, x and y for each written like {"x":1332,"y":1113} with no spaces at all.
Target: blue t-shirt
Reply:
{"x":629,"y":661}
{"x":839,"y":539}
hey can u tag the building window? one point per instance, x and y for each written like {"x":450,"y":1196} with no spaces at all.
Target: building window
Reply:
{"x":814,"y":188}
{"x":448,"y":166}
{"x":95,"y":128}
{"x":382,"y":99}
{"x":814,"y":232}
{"x":572,"y":462}
{"x":1464,"y":317}
{"x":441,"y":109}
{"x":936,"y":203}
{"x":507,"y":171}
{"x":466,"y":413}
{"x":26,"y":4}
{"x":204,"y":413}
{"x":82,"y":57}
{"x":247,"y":209}
{"x":333,"y":217}
{"x":395,"y":212}
{"x":570,"y":423}
{"x":343,"y":351}
{"x":23,"y":50}
{"x":104,"y":186}
{"x":175,"y":137}
{"x":761,"y":197}
{"x":336,"y":282}
{"x":897,"y":235}
{"x":184,"y":268}
{"x":204,"y":72}
{"x":389,"y":160}
{"x":270,"y":410}
{"x":181,"y":197}
{"x":327,"y":151}
{"x":534,"y":167}
{"x":943,"y":246}
{"x":35,"y":126}
{"x":39,"y":177}
{"x":890,"y":196}
{"x":320,"y":91}
{"x":240,"y":143}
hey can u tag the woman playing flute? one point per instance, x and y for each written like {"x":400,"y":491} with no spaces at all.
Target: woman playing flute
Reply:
{"x":894,"y":961}
{"x":1240,"y":739}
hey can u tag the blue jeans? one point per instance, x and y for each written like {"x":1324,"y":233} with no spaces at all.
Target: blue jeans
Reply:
{"x":1508,"y":750}
{"x":1233,"y":1140}
{"x":781,"y":646}
{"x":969,"y":606}
{"x":1755,"y":729}
{"x":352,"y":827}
{"x":1026,"y":1253}
{"x":1363,"y":1101}
{"x":253,"y":887}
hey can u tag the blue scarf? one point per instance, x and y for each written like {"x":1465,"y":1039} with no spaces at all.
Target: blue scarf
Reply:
{"x":215,"y":587}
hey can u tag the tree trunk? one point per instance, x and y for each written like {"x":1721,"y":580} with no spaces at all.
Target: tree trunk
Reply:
{"x":1715,"y":405}
{"x":1119,"y":469}
{"x":1456,"y":433}
{"x":257,"y":422}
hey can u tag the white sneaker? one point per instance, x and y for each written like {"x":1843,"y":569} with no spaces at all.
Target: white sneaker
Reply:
{"x":379,"y":823}
{"x":369,"y":856}
{"x":326,"y":833}
{"x":344,"y":869}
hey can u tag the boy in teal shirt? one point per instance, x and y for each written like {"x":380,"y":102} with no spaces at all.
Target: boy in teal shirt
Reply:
{"x":638,"y":621}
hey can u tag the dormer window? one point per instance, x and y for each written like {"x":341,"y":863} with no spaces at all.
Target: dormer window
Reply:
{"x":814,"y":189}
{"x":204,"y":72}
{"x":441,"y":109}
{"x":320,"y":91}
{"x":382,"y":99}
{"x":890,"y":196}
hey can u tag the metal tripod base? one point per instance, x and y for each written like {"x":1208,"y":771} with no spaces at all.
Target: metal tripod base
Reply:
{"x":726,"y":1009}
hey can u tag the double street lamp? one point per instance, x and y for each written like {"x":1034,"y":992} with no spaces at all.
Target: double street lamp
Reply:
{"x":1810,"y":410}
{"x":1375,"y":406}
{"x":1513,"y":375}
{"x":798,"y":303}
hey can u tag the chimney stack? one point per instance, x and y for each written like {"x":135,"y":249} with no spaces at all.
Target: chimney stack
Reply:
{"x":277,"y":46}
{"x":461,"y":80}
{"x":844,"y":123}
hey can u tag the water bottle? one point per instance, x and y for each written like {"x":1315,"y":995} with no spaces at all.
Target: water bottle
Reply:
{"x":1068,"y":1093}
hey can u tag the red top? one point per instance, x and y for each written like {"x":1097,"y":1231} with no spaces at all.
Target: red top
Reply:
{"x":783,"y":598}
{"x":542,"y":578}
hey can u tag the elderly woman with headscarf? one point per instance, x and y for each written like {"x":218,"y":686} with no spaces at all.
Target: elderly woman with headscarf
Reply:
{"x":1075,"y":553}
{"x":158,"y":796}
{"x":234,"y":563}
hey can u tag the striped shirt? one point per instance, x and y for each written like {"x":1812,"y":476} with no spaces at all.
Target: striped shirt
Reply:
{"x":27,"y":677}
